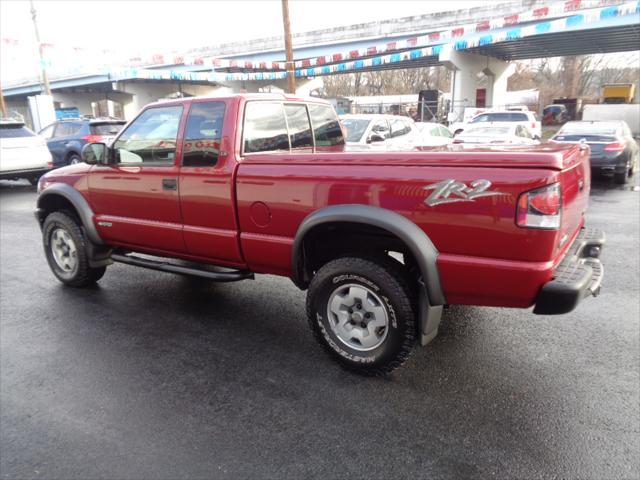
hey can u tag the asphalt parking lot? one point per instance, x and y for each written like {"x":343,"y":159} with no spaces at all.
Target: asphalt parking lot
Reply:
{"x":150,"y":375}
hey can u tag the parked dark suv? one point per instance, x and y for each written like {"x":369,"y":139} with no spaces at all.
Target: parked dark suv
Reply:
{"x":66,"y":137}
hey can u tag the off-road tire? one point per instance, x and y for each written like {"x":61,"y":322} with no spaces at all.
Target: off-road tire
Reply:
{"x":388,"y":280}
{"x":82,"y":274}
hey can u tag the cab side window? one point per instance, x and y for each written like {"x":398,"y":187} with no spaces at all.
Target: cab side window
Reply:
{"x":299,"y":126}
{"x":265,"y":128}
{"x":326,"y":126}
{"x":151,"y":138}
{"x":201,"y":146}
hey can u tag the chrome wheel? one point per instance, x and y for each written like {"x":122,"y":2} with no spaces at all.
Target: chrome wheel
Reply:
{"x":64,"y":250}
{"x":358,"y":317}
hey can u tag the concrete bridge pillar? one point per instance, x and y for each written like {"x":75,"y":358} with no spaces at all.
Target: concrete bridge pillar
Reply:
{"x":468,"y":70}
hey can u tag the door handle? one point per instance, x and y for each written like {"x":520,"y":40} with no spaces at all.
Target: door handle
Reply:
{"x":169,"y":184}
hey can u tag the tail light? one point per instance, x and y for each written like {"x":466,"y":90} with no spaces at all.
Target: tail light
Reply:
{"x":540,"y":208}
{"x":615,"y":147}
{"x":533,"y":125}
{"x":93,"y":138}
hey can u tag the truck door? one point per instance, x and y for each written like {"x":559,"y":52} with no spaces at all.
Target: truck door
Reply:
{"x":136,"y":199}
{"x":207,"y":193}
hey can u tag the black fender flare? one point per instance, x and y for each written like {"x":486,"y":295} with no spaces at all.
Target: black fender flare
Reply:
{"x":79,"y":203}
{"x":416,"y":240}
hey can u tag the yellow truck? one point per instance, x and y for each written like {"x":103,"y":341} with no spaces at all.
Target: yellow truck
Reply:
{"x":618,"y":92}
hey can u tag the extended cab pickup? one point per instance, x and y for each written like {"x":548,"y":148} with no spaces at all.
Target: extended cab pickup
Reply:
{"x":226,"y":187}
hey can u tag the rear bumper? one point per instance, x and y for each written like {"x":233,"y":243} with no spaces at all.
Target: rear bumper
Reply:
{"x":579,"y":275}
{"x":608,"y":166}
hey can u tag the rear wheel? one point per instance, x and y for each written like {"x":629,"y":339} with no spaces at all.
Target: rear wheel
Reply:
{"x":362,"y":311}
{"x":66,"y":252}
{"x":74,"y":158}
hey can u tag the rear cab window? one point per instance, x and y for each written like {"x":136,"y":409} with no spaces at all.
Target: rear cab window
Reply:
{"x":265,"y":128}
{"x":300,"y":135}
{"x":288,"y":126}
{"x":326,"y":126}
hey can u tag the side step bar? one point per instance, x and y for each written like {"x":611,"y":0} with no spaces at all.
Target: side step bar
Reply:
{"x":230,"y":276}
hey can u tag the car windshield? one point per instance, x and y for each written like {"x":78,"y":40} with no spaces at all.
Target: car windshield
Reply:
{"x":355,"y":128}
{"x":15,"y":130}
{"x":110,"y":128}
{"x":500,"y":117}
{"x":591,"y":132}
{"x":488,"y":131}
{"x":587,"y":127}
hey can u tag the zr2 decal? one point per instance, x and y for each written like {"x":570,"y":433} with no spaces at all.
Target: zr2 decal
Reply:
{"x":451,"y":191}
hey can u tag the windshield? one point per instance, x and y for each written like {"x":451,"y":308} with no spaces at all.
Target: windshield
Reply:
{"x":591,"y":132}
{"x":15,"y":130}
{"x":106,"y":128}
{"x":355,"y":128}
{"x":589,"y":128}
{"x":500,"y":117}
{"x":487,"y":131}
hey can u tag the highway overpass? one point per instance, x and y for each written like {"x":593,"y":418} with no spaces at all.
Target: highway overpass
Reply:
{"x":473,"y":43}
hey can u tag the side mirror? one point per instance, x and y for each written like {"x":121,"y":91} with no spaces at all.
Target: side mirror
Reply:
{"x":94,"y":153}
{"x":375,"y":137}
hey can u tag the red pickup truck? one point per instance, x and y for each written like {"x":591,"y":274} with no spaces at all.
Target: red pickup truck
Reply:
{"x":226,"y":187}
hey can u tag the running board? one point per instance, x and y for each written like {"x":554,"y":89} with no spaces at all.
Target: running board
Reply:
{"x":230,"y":276}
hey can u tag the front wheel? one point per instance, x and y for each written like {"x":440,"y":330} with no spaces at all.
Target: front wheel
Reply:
{"x":66,"y":252}
{"x":362,"y":311}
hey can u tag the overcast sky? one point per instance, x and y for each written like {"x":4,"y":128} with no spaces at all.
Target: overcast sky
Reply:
{"x":131,"y":28}
{"x":182,"y":24}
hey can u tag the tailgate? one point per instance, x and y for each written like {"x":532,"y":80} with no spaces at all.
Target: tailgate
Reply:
{"x":575,"y":179}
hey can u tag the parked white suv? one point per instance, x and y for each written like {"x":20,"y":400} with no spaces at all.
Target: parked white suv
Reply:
{"x":526,"y":118}
{"x":23,"y":154}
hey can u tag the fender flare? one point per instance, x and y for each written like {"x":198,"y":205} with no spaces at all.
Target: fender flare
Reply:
{"x":418,"y":243}
{"x":79,"y":203}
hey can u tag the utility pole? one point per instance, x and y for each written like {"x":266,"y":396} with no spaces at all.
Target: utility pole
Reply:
{"x":45,"y":78}
{"x":288,"y":46}
{"x":3,"y":106}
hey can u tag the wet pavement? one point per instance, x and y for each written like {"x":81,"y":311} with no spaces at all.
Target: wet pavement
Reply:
{"x":150,"y":375}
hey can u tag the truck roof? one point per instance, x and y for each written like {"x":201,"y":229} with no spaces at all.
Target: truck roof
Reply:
{"x":246,"y":96}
